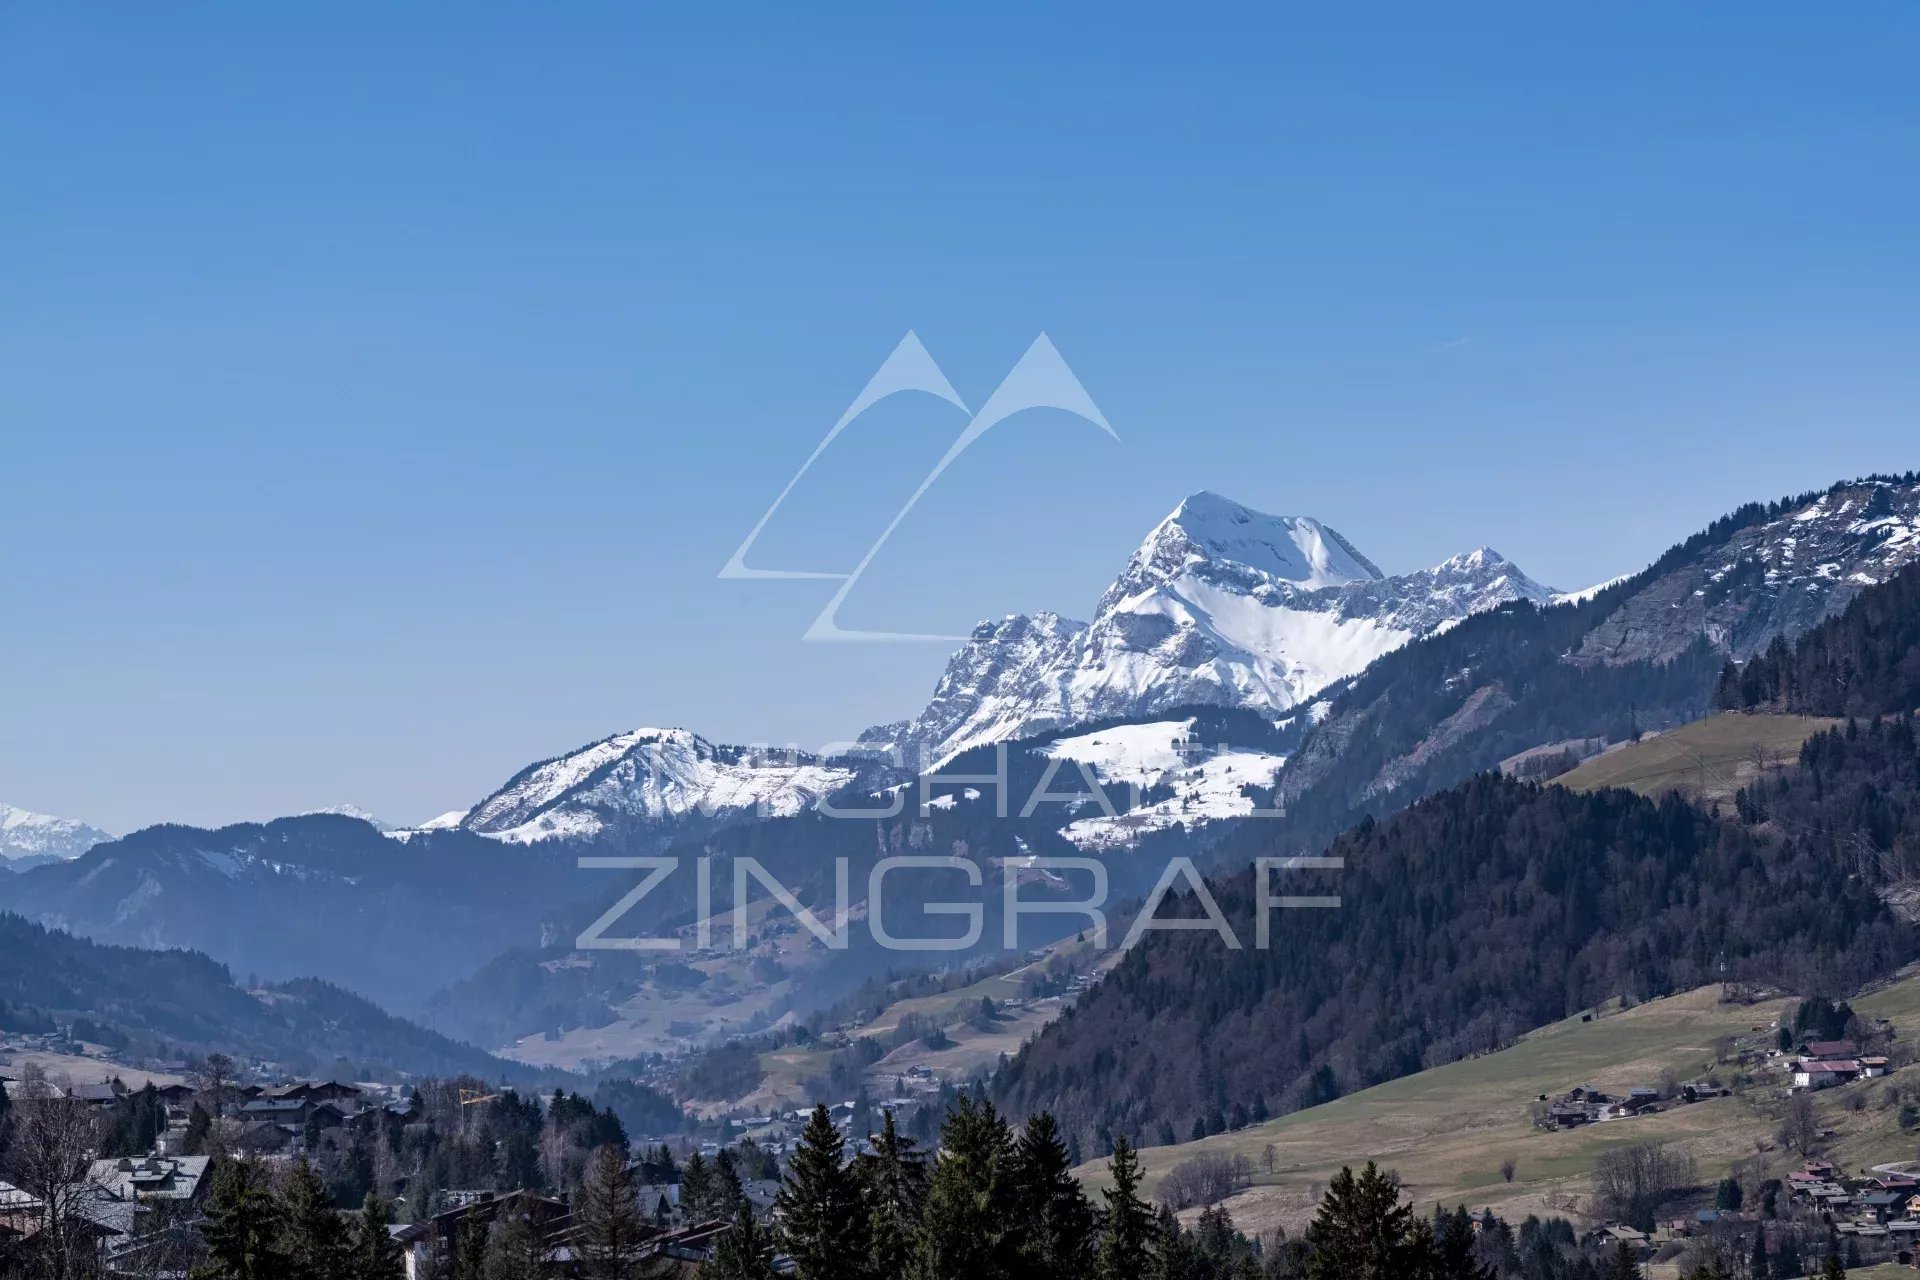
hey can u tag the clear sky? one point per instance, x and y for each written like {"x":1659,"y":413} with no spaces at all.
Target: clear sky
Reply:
{"x":382,"y":386}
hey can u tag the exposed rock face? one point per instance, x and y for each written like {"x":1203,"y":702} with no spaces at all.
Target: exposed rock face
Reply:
{"x":1776,"y":578}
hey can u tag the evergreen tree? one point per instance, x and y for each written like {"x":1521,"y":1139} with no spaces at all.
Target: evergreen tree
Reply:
{"x":726,"y":1194}
{"x":242,"y":1228}
{"x":821,"y":1226}
{"x":1127,"y":1237}
{"x":518,"y":1161}
{"x":1786,"y":1258}
{"x":1759,"y":1265}
{"x":199,"y":1124}
{"x":1362,"y":1231}
{"x":744,"y":1253}
{"x":314,"y":1239}
{"x":470,"y":1247}
{"x":1052,"y":1221}
{"x":1709,"y":1270}
{"x":893,"y":1183}
{"x":696,"y":1189}
{"x":608,"y":1216}
{"x":376,"y":1254}
{"x":514,"y":1250}
{"x":1833,"y":1270}
{"x":964,"y":1232}
{"x":1443,"y":1249}
{"x":1621,"y":1266}
{"x":1177,"y":1257}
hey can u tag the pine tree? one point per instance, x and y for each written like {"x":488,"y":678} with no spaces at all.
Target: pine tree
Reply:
{"x":1127,"y":1237}
{"x":1443,"y":1249}
{"x":1177,"y":1257}
{"x":745,"y":1252}
{"x":821,"y":1225}
{"x":964,"y":1231}
{"x":243,"y":1227}
{"x":727,"y":1195}
{"x":199,"y":1124}
{"x":376,"y":1254}
{"x":1833,"y":1270}
{"x":608,"y":1216}
{"x":1362,"y":1231}
{"x":893,"y":1184}
{"x":514,"y":1250}
{"x":1052,"y":1221}
{"x":1759,"y":1265}
{"x":1621,"y":1266}
{"x":470,"y":1247}
{"x":696,"y":1189}
{"x":315,"y":1240}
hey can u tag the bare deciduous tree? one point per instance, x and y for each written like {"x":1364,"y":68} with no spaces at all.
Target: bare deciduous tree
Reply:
{"x":214,"y":1077}
{"x":1508,"y":1168}
{"x":50,"y":1148}
{"x":1800,"y":1127}
{"x":1630,"y":1182}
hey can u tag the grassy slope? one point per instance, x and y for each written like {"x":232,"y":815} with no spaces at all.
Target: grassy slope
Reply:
{"x":1719,"y":751}
{"x":1447,"y":1130}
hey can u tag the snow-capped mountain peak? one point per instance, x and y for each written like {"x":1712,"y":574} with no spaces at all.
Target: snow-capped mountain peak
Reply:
{"x":1220,"y":605}
{"x":644,"y":780}
{"x":28,"y":839}
{"x":1292,"y":549}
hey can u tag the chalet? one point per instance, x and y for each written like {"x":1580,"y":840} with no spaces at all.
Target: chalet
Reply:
{"x":659,"y":1202}
{"x":1881,"y":1204}
{"x":143,"y":1178}
{"x":431,"y":1244}
{"x":97,"y":1221}
{"x":1872,"y":1068}
{"x":1824,"y":1073}
{"x":1830,"y":1049}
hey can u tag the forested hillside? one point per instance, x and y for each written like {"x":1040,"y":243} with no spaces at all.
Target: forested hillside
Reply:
{"x":1496,"y":906}
{"x":1474,"y":916}
{"x":181,"y":1001}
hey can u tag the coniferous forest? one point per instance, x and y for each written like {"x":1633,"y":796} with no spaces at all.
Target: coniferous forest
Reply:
{"x":1498,"y":906}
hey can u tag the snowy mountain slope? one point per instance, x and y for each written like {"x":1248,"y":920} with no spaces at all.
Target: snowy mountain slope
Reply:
{"x":1130,"y":759}
{"x":649,"y":780}
{"x":32,"y":839}
{"x":1774,"y":577}
{"x":1220,"y":606}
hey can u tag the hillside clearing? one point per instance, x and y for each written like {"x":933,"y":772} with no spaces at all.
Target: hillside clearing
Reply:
{"x":1709,"y":759}
{"x":1447,"y":1130}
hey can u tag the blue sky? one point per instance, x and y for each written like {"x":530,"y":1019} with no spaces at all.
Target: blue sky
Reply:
{"x":381,"y":387}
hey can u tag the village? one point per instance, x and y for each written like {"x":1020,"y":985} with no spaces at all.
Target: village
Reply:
{"x":136,"y":1215}
{"x":1869,"y":1215}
